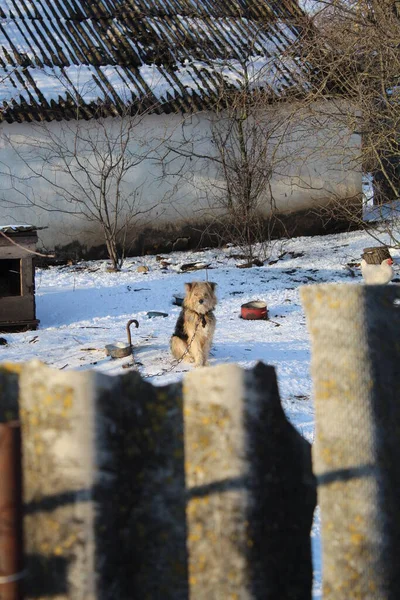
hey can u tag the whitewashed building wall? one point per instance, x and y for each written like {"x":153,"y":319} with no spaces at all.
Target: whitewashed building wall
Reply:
{"x":321,"y":164}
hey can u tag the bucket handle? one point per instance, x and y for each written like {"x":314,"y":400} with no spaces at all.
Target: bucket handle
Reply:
{"x":128,"y":331}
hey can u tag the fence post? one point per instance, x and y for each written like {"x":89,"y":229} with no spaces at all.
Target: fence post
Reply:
{"x":11,"y":540}
{"x":136,"y":491}
{"x":251,"y":492}
{"x":104,"y":486}
{"x":355,"y":332}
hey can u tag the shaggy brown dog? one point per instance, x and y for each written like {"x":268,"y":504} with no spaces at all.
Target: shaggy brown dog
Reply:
{"x":195,"y":326}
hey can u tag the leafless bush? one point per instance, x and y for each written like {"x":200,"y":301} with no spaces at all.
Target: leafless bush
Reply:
{"x":86,"y":169}
{"x":353,"y":47}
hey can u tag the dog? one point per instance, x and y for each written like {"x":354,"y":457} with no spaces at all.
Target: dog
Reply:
{"x":194,"y":330}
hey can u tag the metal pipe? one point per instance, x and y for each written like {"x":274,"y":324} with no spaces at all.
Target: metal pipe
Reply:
{"x":11,"y":518}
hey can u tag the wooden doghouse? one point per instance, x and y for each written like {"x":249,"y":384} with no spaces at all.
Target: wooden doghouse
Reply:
{"x":17,"y":278}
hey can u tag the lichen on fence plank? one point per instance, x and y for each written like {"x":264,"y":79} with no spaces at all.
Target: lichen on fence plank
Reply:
{"x":355,"y":334}
{"x":132,"y":491}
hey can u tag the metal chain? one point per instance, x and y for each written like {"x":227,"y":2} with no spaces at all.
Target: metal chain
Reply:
{"x":178,"y":360}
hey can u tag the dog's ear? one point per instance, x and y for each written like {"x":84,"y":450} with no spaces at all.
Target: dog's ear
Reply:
{"x":212,"y":285}
{"x":188,"y":287}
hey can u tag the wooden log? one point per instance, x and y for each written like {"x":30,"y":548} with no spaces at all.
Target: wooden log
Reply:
{"x":135,"y":491}
{"x":376,"y":254}
{"x":355,"y":333}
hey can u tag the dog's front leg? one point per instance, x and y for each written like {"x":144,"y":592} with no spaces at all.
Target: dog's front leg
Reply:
{"x":179,"y":350}
{"x":197,"y":352}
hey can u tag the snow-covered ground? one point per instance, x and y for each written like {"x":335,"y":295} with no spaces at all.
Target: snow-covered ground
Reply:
{"x":84,"y":307}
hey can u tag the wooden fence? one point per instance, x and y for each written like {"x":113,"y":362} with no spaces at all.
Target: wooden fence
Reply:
{"x":204,"y":490}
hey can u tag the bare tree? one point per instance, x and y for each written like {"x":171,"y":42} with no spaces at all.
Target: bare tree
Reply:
{"x":271,"y":138}
{"x":239,"y":145}
{"x":353,"y":46}
{"x":88,"y":169}
{"x":248,"y":138}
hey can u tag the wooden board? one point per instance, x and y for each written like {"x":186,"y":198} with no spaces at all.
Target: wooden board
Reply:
{"x":16,"y":309}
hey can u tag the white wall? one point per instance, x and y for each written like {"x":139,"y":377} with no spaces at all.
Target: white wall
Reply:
{"x":318,"y":161}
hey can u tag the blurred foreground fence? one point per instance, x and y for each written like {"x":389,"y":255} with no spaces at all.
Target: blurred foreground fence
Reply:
{"x":355,"y":333}
{"x":204,"y":490}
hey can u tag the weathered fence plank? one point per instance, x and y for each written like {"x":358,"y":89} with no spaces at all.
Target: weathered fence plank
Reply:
{"x":355,"y":334}
{"x":251,"y":489}
{"x":105,"y":486}
{"x":133,"y":491}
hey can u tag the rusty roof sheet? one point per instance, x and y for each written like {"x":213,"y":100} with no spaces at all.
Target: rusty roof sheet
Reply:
{"x":171,"y":55}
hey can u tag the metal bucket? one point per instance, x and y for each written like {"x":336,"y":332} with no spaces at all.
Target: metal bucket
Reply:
{"x":122,"y":349}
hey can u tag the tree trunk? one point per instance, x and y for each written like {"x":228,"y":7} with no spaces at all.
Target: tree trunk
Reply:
{"x":112,"y":250}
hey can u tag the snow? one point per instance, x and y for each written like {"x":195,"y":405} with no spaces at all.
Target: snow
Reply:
{"x":16,"y":227}
{"x":390,"y":211}
{"x":83,"y":307}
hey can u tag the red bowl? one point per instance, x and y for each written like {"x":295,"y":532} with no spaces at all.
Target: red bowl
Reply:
{"x":254,"y":310}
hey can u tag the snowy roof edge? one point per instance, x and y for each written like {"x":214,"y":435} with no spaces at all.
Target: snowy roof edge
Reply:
{"x":57,"y":63}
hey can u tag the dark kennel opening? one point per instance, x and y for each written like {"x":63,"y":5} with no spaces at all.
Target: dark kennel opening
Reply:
{"x":17,"y":278}
{"x":10,"y":277}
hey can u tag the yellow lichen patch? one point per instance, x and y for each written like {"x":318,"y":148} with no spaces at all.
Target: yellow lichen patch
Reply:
{"x":63,"y":397}
{"x":39,"y":448}
{"x":197,"y":504}
{"x":335,"y":304}
{"x":205,"y":440}
{"x":48,"y":399}
{"x":359,"y":519}
{"x":68,"y":402}
{"x":70,"y":541}
{"x":196,"y":532}
{"x":357,"y":539}
{"x":199,"y":471}
{"x":52,"y":524}
{"x":9,"y":367}
{"x":327,"y":388}
{"x":58,"y":551}
{"x":212,"y":536}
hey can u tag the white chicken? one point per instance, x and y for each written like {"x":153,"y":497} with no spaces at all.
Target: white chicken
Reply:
{"x":377,"y":274}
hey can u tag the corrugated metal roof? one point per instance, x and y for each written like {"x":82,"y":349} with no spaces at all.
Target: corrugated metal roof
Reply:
{"x":170,"y":54}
